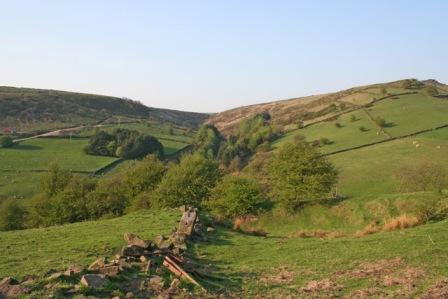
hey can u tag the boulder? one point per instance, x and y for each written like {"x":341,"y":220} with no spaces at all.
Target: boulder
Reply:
{"x":135,"y":240}
{"x":210,"y":229}
{"x":162,"y":243}
{"x":186,"y":224}
{"x":132,"y":251}
{"x":110,"y":270}
{"x":99,"y":263}
{"x":94,"y":281}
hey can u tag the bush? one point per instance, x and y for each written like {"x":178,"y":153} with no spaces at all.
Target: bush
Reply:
{"x":12,"y":215}
{"x":235,"y":196}
{"x":187,"y":183}
{"x":338,"y":125}
{"x":353,"y":118}
{"x":6,"y":141}
{"x":363,"y":129}
{"x":299,"y":174}
{"x":401,"y":222}
{"x":124,"y":143}
{"x":380,"y":122}
{"x":55,"y":180}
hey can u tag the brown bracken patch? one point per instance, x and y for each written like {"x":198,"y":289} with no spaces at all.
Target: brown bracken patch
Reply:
{"x":437,"y":291}
{"x":281,"y":275}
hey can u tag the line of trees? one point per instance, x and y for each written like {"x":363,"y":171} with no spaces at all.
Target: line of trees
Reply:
{"x":123,"y":143}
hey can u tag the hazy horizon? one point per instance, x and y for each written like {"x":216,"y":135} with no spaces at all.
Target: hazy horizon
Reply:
{"x":209,"y":57}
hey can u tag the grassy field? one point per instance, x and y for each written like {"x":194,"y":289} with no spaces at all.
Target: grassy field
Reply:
{"x":370,"y":170}
{"x":411,"y":113}
{"x":346,"y":136}
{"x":249,"y":265}
{"x":38,"y":154}
{"x":59,"y":246}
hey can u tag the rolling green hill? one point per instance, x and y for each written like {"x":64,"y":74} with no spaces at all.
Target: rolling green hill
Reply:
{"x":337,"y":247}
{"x":27,"y":109}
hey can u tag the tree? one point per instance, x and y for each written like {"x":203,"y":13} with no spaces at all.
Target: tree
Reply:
{"x":6,"y":141}
{"x":208,"y":140}
{"x":299,"y":174}
{"x":338,"y":125}
{"x":188,"y":182}
{"x":353,"y":118}
{"x":12,"y":215}
{"x":380,"y":121}
{"x":235,"y":196}
{"x":55,"y":180}
{"x":124,"y":143}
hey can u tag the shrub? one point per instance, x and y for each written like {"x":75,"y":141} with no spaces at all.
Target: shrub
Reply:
{"x":298,"y":174}
{"x":353,"y":118}
{"x":235,"y":196}
{"x":363,"y":129}
{"x":338,"y":125}
{"x":188,"y":182}
{"x":55,"y":180}
{"x":6,"y":141}
{"x":12,"y":215}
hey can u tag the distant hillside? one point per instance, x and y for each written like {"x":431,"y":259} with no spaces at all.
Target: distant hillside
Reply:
{"x":289,"y":114}
{"x":28,"y":109}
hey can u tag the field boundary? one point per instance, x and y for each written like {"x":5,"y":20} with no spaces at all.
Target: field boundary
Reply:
{"x":386,"y":140}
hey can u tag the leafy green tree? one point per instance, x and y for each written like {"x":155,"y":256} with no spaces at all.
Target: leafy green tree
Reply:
{"x":6,"y":141}
{"x":208,"y":140}
{"x":235,"y":196}
{"x":12,"y":215}
{"x":71,"y":205}
{"x":380,"y":121}
{"x":353,"y":118}
{"x":108,"y":199}
{"x":299,"y":174}
{"x":55,"y":180}
{"x":188,"y":182}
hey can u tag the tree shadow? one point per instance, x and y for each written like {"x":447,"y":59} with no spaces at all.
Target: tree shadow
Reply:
{"x":212,"y":274}
{"x":26,"y":147}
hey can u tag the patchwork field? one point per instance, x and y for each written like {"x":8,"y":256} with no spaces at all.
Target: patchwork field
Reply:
{"x":361,"y":130}
{"x":411,"y":113}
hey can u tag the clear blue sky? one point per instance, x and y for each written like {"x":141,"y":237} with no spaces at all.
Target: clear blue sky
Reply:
{"x":212,"y":55}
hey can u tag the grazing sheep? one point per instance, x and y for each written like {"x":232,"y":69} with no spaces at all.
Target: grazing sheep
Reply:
{"x":414,"y":142}
{"x":438,"y":146}
{"x":417,"y":145}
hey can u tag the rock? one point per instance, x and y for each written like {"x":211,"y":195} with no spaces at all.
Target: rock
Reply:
{"x":156,"y":283}
{"x":10,"y":288}
{"x":162,"y":243}
{"x":73,"y":270}
{"x":110,"y":270}
{"x":135,"y":240}
{"x":187,"y":221}
{"x":132,"y":251}
{"x":99,"y":263}
{"x":144,"y":259}
{"x":94,"y":281}
{"x":210,"y":229}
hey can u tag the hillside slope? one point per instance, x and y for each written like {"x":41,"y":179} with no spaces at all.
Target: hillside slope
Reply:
{"x":27,"y":109}
{"x":288,"y":114}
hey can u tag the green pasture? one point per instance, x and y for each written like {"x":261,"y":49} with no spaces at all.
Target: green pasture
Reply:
{"x":347,"y":136}
{"x":411,"y":113}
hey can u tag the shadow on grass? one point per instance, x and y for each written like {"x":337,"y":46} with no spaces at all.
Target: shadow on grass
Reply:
{"x":26,"y":147}
{"x":216,"y":276}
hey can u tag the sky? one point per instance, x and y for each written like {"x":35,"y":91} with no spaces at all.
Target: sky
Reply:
{"x":208,"y":56}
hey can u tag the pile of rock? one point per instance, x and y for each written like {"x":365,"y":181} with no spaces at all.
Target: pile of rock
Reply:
{"x":137,"y":256}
